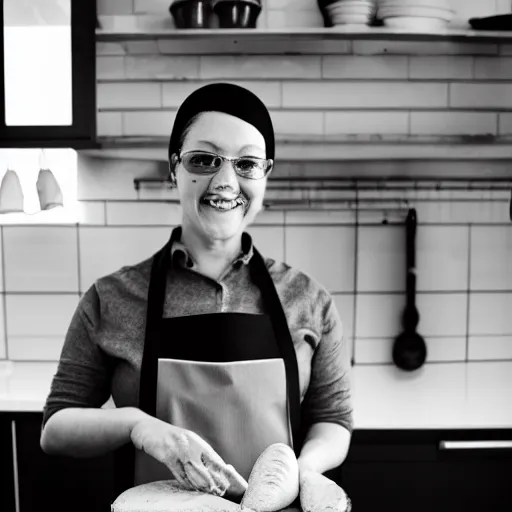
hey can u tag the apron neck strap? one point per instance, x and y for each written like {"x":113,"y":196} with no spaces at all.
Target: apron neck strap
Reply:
{"x":262,"y":277}
{"x":155,"y":309}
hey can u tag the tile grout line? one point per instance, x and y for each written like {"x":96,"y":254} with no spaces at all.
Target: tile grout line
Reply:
{"x":468,"y":291}
{"x":354,"y":310}
{"x":4,"y":294}
{"x":367,"y":363}
{"x":341,"y":293}
{"x":78,"y":259}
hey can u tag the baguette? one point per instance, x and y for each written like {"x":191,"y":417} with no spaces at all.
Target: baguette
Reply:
{"x":320,"y":494}
{"x":274,"y":480}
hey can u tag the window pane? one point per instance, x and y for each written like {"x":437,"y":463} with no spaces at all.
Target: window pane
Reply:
{"x":37,"y":56}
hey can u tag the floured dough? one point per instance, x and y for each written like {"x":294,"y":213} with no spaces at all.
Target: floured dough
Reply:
{"x":167,"y":496}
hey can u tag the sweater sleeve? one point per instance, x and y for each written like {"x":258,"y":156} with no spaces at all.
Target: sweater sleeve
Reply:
{"x":84,"y":372}
{"x":328,"y":398}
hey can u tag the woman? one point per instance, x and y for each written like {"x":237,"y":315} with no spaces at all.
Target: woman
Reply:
{"x":210,"y":352}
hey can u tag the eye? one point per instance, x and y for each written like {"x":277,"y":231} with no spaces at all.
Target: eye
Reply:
{"x":202,"y":160}
{"x":248,"y":164}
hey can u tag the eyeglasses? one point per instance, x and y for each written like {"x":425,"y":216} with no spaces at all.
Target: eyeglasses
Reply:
{"x":205,"y":163}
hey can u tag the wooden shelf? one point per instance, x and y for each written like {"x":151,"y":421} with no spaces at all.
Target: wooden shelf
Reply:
{"x":334,"y":33}
{"x":155,"y":149}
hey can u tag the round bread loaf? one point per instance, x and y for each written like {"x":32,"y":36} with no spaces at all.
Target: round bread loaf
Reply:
{"x":167,"y":496}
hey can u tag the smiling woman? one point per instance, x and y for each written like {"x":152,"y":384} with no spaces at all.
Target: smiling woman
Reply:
{"x":212,"y":352}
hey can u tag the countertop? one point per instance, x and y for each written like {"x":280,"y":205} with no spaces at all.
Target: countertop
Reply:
{"x":443,"y":396}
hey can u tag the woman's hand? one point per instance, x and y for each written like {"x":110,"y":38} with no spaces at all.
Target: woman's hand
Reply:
{"x":192,"y":461}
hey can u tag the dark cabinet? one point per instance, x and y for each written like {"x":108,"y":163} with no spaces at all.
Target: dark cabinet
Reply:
{"x":475,"y":475}
{"x":7,"y":493}
{"x":399,"y":471}
{"x":429,"y":470}
{"x":59,"y":484}
{"x":48,"y":74}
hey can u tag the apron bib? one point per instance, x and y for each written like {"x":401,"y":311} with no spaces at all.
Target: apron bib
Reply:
{"x":231,"y":378}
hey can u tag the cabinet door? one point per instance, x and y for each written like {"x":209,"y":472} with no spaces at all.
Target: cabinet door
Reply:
{"x":393,"y":486}
{"x":47,"y":73}
{"x":59,"y":484}
{"x":475,"y":475}
{"x":420,"y":471}
{"x":388,"y":470}
{"x":7,"y":500}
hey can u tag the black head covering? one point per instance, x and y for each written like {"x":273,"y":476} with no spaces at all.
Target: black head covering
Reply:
{"x":230,"y":99}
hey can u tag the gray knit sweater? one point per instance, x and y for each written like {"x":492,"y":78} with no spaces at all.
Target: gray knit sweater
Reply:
{"x":102,"y":352}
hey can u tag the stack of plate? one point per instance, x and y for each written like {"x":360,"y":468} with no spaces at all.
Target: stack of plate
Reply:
{"x":347,"y":12}
{"x":415,"y":14}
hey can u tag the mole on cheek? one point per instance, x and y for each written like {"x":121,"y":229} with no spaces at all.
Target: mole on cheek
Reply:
{"x":194,"y":181}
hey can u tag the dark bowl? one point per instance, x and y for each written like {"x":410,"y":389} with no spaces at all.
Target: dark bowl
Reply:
{"x":327,"y":19}
{"x":322,"y":4}
{"x":237,"y":13}
{"x":192,"y":13}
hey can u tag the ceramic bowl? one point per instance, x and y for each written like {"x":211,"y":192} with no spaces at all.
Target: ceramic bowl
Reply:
{"x":237,"y":13}
{"x":322,"y":4}
{"x":191,"y":13}
{"x":415,"y":23}
{"x":427,"y":12}
{"x":442,"y":4}
{"x":351,"y":19}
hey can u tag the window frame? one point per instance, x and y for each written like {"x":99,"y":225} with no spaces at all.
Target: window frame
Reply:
{"x":82,"y":133}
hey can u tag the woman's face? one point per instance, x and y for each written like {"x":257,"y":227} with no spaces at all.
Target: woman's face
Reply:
{"x":230,"y":136}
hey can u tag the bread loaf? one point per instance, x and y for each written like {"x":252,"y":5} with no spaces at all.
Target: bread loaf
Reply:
{"x":167,"y":496}
{"x":320,"y":494}
{"x":274,"y":480}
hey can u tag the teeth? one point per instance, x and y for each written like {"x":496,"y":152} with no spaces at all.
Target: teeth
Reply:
{"x":226,"y":205}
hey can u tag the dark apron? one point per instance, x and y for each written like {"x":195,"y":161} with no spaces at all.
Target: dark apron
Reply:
{"x":231,"y":378}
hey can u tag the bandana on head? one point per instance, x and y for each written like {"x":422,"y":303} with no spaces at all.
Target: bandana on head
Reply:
{"x":230,"y":99}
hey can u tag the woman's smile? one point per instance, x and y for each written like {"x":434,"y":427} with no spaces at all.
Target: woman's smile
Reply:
{"x":224,"y":204}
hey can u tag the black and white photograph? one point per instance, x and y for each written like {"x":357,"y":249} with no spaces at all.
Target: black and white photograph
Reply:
{"x":255,"y":255}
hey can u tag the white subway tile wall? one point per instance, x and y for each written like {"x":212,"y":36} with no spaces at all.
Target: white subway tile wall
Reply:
{"x":324,"y":252}
{"x":489,"y":314}
{"x":382,"y":270}
{"x":464,"y":271}
{"x":40,"y":259}
{"x":3,"y":338}
{"x":441,"y":67}
{"x":491,"y":258}
{"x":36,"y":324}
{"x":106,"y":249}
{"x":443,"y":258}
{"x":338,"y":89}
{"x":161,"y":66}
{"x":490,"y":348}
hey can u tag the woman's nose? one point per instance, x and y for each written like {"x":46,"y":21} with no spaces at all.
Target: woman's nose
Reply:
{"x":226,"y":177}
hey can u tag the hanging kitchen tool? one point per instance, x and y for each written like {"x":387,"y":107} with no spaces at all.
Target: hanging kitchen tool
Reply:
{"x":409,"y":349}
{"x":48,"y":189}
{"x":11,"y":193}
